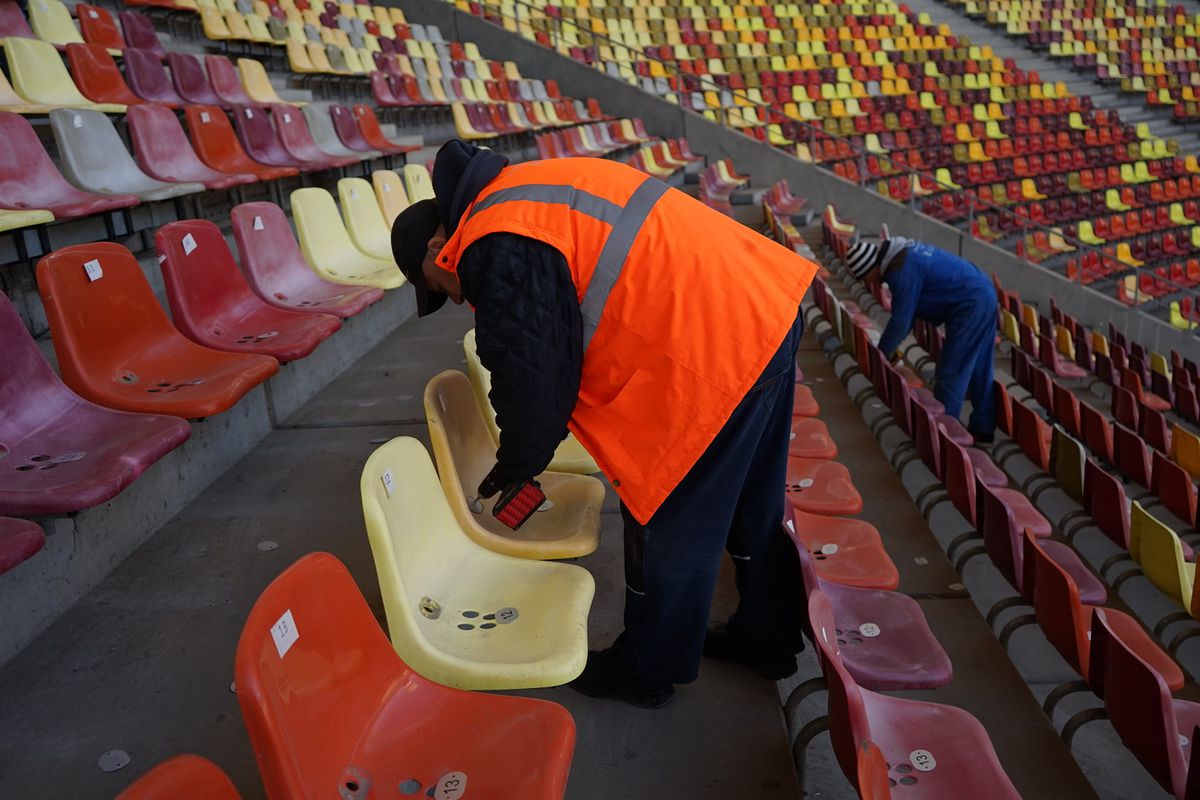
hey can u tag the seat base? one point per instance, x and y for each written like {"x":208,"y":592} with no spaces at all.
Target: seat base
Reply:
{"x":805,"y":405}
{"x":811,"y":439}
{"x":847,"y":552}
{"x":821,"y":487}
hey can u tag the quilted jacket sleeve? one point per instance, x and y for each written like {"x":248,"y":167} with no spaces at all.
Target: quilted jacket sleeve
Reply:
{"x":529,"y":334}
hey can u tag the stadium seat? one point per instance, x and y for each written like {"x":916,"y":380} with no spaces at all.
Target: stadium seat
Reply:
{"x":390,"y":193}
{"x":29,"y":180}
{"x":821,"y":487}
{"x":51,"y":22}
{"x":810,"y":439}
{"x":94,"y":158}
{"x":275,"y":268}
{"x":961,"y":468}
{"x":1158,"y":550}
{"x":148,"y":79}
{"x":966,"y":764}
{"x":226,"y":84}
{"x":320,"y":125}
{"x":138,"y":31}
{"x":364,"y":220}
{"x":62,"y":453}
{"x":297,"y":140}
{"x":569,"y":456}
{"x":212,"y":305}
{"x":372,"y":133}
{"x":13,"y":21}
{"x":98,"y":27}
{"x":257,"y":84}
{"x":872,"y":779}
{"x":848,"y":552}
{"x":260,"y":139}
{"x":418,"y":183}
{"x":804,"y":404}
{"x":13,"y":102}
{"x":218,"y":147}
{"x":39,"y":76}
{"x":184,"y":777}
{"x":1185,"y":449}
{"x":459,"y":613}
{"x":191,"y":81}
{"x":20,"y":540}
{"x":98,"y":77}
{"x":567,"y":527}
{"x":116,"y":347}
{"x":327,"y":246}
{"x":12,"y":220}
{"x":163,"y":151}
{"x":371,"y":715}
{"x":346,"y":128}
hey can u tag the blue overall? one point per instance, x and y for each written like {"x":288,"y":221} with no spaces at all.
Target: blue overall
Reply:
{"x":943,"y":289}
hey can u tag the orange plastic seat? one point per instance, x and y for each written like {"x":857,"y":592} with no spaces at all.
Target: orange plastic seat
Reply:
{"x":116,"y":347}
{"x":811,"y":439}
{"x":804,"y":405}
{"x":332,"y":710}
{"x":217,"y":145}
{"x":848,"y":552}
{"x":821,"y":487}
{"x":185,"y":777}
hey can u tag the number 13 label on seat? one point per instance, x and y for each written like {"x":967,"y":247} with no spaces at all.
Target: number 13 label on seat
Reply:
{"x":922,"y":760}
{"x":450,"y":786}
{"x":284,"y":633}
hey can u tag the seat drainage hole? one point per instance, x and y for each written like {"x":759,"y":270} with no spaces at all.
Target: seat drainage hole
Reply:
{"x":466,"y":627}
{"x":487,"y":626}
{"x":470,"y":614}
{"x":25,"y":468}
{"x":908,"y":780}
{"x":39,"y":458}
{"x":410,"y":786}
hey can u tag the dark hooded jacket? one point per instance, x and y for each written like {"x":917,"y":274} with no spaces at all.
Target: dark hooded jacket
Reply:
{"x":528,"y":327}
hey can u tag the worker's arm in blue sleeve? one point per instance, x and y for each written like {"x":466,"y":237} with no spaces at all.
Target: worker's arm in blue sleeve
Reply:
{"x":529,"y":333}
{"x":905,"y":285}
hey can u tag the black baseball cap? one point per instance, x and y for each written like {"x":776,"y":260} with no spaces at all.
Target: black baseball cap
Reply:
{"x":411,"y":232}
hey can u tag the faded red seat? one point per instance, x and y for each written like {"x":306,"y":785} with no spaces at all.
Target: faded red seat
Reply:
{"x":226,"y":84}
{"x":217,"y":145}
{"x":297,"y":139}
{"x":148,"y":79}
{"x":29,"y":179}
{"x":97,"y":75}
{"x":821,"y":487}
{"x":276,"y":269}
{"x":261,"y":141}
{"x":116,"y":347}
{"x":163,"y":151}
{"x":98,"y":27}
{"x":373,"y":134}
{"x":846,"y":551}
{"x":212,"y":305}
{"x":13,"y":22}
{"x":138,"y":31}
{"x":804,"y":404}
{"x":190,"y":80}
{"x":184,"y":777}
{"x":346,"y":128}
{"x":60,"y":453}
{"x":20,"y":540}
{"x":811,"y":439}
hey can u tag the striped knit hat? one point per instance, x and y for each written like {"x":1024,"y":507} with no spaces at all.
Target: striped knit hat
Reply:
{"x":861,"y":256}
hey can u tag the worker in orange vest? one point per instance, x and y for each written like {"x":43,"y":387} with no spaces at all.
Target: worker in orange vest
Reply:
{"x":663,"y":335}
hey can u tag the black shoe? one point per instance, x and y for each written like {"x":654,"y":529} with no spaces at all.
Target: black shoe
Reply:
{"x":982,"y":438}
{"x":608,"y":676}
{"x":721,"y":645}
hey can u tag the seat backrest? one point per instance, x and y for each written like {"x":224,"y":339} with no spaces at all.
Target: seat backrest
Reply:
{"x":1131,"y":455}
{"x":26,"y":372}
{"x":12,"y":21}
{"x":1029,"y":430}
{"x":1097,"y":431}
{"x":159,"y":143}
{"x":184,"y":777}
{"x":346,"y":128}
{"x":97,"y":321}
{"x":319,"y":225}
{"x":462,"y":443}
{"x":1139,"y":704}
{"x":203,"y":283}
{"x":924,"y":436}
{"x":1066,"y":463}
{"x":270,"y":256}
{"x":213,"y":137}
{"x":418,"y":183}
{"x":1174,"y":487}
{"x":958,"y":475}
{"x":256,"y":82}
{"x":320,"y":125}
{"x":38,"y":73}
{"x":51,"y":22}
{"x":1060,"y":613}
{"x":481,"y":382}
{"x":190,"y":79}
{"x":259,"y":137}
{"x":1185,"y":449}
{"x":1104,"y":499}
{"x":392,"y":198}
{"x":364,"y":220}
{"x":98,"y":27}
{"x":848,"y":722}
{"x":1160,"y":554}
{"x":92,"y":154}
{"x":1000,"y":536}
{"x":312,"y":668}
{"x":26,"y":171}
{"x":226,"y":84}
{"x":97,"y":75}
{"x":146,"y":76}
{"x":139,"y":32}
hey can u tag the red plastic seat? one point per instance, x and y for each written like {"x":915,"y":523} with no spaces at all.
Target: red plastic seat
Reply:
{"x":1097,"y":432}
{"x":961,"y":468}
{"x":29,"y":179}
{"x":965,"y":763}
{"x":97,"y":26}
{"x":1130,"y":455}
{"x":261,"y":141}
{"x":116,"y":347}
{"x":811,"y":439}
{"x":148,"y":79}
{"x":346,"y":127}
{"x":190,"y":80}
{"x":138,"y":31}
{"x":13,"y":22}
{"x":225,"y":82}
{"x":184,"y":777}
{"x":1032,"y":434}
{"x":845,"y":551}
{"x":276,"y":269}
{"x":1133,"y":382}
{"x":1174,"y":487}
{"x":62,"y":454}
{"x":873,"y":782}
{"x":218,"y":147}
{"x":163,"y":151}
{"x":1155,"y":727}
{"x":328,"y":703}
{"x":821,"y":487}
{"x":97,"y":75}
{"x":297,"y":139}
{"x":804,"y":404}
{"x":1061,"y":366}
{"x":212,"y":305}
{"x":20,"y":540}
{"x":372,"y":133}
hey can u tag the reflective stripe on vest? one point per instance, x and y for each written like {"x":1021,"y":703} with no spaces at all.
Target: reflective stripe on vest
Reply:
{"x":626,"y":222}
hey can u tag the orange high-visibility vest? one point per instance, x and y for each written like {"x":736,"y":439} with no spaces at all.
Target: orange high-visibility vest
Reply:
{"x":682,"y":308}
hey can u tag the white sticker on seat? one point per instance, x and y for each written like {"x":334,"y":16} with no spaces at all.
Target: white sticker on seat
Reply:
{"x":92,"y":268}
{"x":869,"y":630}
{"x":204,"y":116}
{"x":389,"y":483}
{"x":77,"y":121}
{"x":284,"y":633}
{"x":805,"y":483}
{"x":387,"y":188}
{"x":828,"y":549}
{"x":287,"y":118}
{"x":249,"y":113}
{"x":258,"y":224}
{"x":93,"y":13}
{"x":189,"y":244}
{"x":922,"y":760}
{"x":791,"y":526}
{"x":450,"y":786}
{"x":354,"y":194}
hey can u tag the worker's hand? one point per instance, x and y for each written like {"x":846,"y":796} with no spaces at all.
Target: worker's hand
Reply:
{"x":497,"y":480}
{"x":518,"y":500}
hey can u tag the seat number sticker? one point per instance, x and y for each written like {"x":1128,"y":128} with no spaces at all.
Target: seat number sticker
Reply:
{"x":450,"y":786}
{"x":93,"y":270}
{"x":389,"y":483}
{"x":258,"y":224}
{"x":189,"y":244}
{"x":922,"y":760}
{"x":204,"y":117}
{"x":284,"y":633}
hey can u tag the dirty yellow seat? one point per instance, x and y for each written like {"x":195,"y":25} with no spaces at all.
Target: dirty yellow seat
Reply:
{"x":11,"y":220}
{"x":364,"y":220}
{"x":390,"y":193}
{"x":327,"y":246}
{"x":458,"y":613}
{"x":568,"y":526}
{"x":39,"y":76}
{"x":258,"y":84}
{"x":51,"y":22}
{"x":570,"y":455}
{"x":1185,"y":449}
{"x":1160,"y":555}
{"x":418,"y":183}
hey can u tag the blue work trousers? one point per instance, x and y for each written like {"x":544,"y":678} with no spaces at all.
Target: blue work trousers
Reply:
{"x":964,"y":367}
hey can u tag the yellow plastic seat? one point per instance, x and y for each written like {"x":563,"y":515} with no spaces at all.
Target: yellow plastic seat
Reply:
{"x":257,"y":84}
{"x":298,"y":59}
{"x":214,"y":26}
{"x":463,"y":127}
{"x":1009,"y":326}
{"x":328,"y":248}
{"x":390,"y":194}
{"x":13,"y":102}
{"x":1157,"y":549}
{"x":364,"y":220}
{"x":51,"y":22}
{"x":570,"y":455}
{"x":238,"y":27}
{"x":568,"y":526}
{"x":458,"y":613}
{"x":40,"y":77}
{"x":1185,"y":449}
{"x":11,"y":220}
{"x":418,"y":183}
{"x":1064,"y":342}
